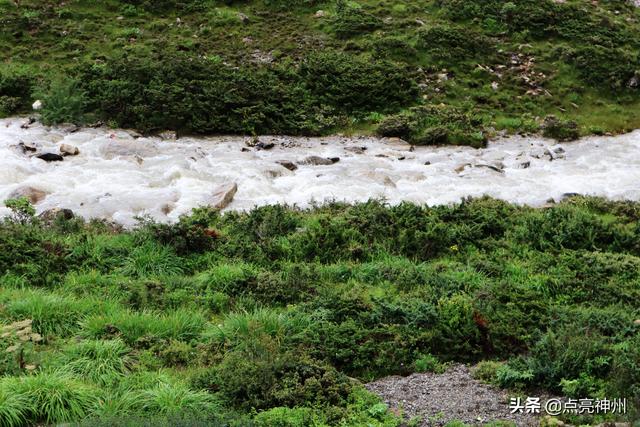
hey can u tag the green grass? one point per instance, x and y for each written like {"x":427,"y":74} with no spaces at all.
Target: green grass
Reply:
{"x":573,"y":74}
{"x":271,"y":321}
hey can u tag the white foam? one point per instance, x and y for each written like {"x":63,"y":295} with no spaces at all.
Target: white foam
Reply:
{"x":119,"y":177}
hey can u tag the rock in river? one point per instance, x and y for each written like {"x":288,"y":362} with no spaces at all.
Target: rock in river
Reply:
{"x":223,"y":195}
{"x":32,"y":194}
{"x":50,"y":157}
{"x":320,"y":161}
{"x":69,"y":150}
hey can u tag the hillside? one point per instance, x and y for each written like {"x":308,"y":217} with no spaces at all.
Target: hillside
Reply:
{"x":431,"y":72}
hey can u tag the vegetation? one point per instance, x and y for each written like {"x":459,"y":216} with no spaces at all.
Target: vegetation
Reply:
{"x":313,"y":66}
{"x":275,"y":316}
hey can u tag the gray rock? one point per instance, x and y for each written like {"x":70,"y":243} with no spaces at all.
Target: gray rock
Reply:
{"x":318,"y":161}
{"x":127,"y":148}
{"x":50,"y":215}
{"x":243,"y":18}
{"x":32,"y":194}
{"x":356,"y":150}
{"x":287,"y":164}
{"x":50,"y":157}
{"x":69,"y":150}
{"x":223,"y":195}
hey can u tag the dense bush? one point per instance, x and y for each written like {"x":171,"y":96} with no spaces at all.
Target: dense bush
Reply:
{"x":351,"y":20}
{"x":561,"y":130}
{"x":435,"y":125}
{"x":16,"y":85}
{"x":448,"y":44}
{"x":204,"y":96}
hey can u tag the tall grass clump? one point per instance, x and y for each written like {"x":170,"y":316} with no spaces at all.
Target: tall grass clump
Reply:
{"x":102,"y":362}
{"x":172,"y":399}
{"x":55,"y":397}
{"x":151,"y":260}
{"x":15,"y":409}
{"x":182,"y":325}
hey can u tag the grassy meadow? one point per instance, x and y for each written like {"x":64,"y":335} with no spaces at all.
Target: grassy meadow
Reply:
{"x":277,"y":316}
{"x":429,"y":71}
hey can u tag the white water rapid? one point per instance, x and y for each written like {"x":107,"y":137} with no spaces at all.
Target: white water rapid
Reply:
{"x":118,"y":175}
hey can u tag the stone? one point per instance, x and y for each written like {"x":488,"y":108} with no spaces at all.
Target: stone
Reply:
{"x":128,"y":148}
{"x":37,"y":105}
{"x":320,"y":14}
{"x":68,"y":127}
{"x":492,"y":167}
{"x":243,"y":18}
{"x":287,"y":164}
{"x":636,"y":322}
{"x":27,"y":147}
{"x":168,"y":135}
{"x":28,"y":123}
{"x":318,"y":161}
{"x":50,"y":215}
{"x":69,"y":150}
{"x":265,"y":145}
{"x":356,"y":150}
{"x":32,"y":194}
{"x":50,"y":157}
{"x":223,"y":195}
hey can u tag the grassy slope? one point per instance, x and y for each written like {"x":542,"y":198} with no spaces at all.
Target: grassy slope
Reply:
{"x":272,"y":308}
{"x":54,"y":38}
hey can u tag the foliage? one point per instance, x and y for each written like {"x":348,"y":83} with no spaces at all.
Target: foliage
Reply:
{"x":271,"y":322}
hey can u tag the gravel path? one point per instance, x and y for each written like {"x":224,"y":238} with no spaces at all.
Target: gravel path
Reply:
{"x":454,"y":395}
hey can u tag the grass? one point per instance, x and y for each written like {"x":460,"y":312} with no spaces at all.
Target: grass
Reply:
{"x":267,"y":323}
{"x":46,"y":41}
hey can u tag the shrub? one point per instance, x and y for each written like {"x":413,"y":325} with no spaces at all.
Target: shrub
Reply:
{"x":351,"y":20}
{"x":434,"y":125}
{"x":353,"y":84}
{"x":606,"y":68}
{"x":63,"y":102}
{"x":452,"y":43}
{"x":16,"y":85}
{"x":561,"y":130}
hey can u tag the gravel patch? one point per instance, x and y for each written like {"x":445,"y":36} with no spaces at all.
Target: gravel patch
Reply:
{"x":453,"y":395}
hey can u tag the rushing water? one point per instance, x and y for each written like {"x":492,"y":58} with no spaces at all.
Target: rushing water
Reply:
{"x":119,"y":176}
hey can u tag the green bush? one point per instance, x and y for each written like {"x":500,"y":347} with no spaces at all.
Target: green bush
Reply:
{"x":351,"y":20}
{"x":16,"y":86}
{"x":445,"y":43}
{"x":63,"y":103}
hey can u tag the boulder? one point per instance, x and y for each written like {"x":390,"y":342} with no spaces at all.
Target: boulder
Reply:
{"x":69,"y":150}
{"x":37,"y":105}
{"x":128,"y":148}
{"x":50,"y":157}
{"x":27,"y":147}
{"x":265,"y":145}
{"x":318,"y":161}
{"x":356,"y":150}
{"x":50,"y":215}
{"x":223,"y":195}
{"x":287,"y":164}
{"x":32,"y":194}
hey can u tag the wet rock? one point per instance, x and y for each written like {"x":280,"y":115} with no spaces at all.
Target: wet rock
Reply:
{"x":50,"y":157}
{"x":51,"y":215}
{"x":287,"y":164}
{"x":28,"y":123}
{"x":168,"y":135}
{"x":427,"y":163}
{"x":460,"y":168}
{"x":265,"y":145}
{"x":569,"y":195}
{"x":356,"y":150}
{"x":320,"y":161}
{"x":244,"y":150}
{"x":69,"y":150}
{"x":492,"y":167}
{"x":68,"y":127}
{"x":223,"y":195}
{"x":32,"y":194}
{"x":27,"y":147}
{"x":525,"y":165}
